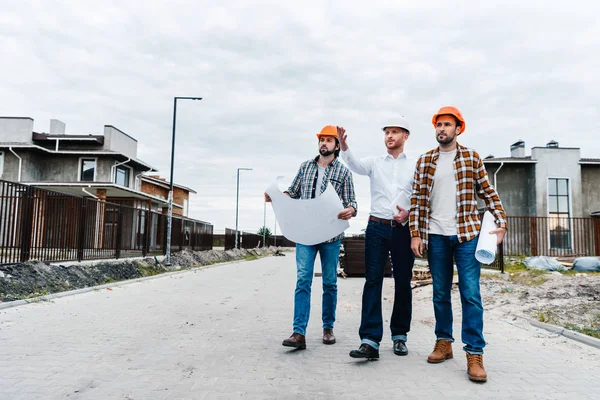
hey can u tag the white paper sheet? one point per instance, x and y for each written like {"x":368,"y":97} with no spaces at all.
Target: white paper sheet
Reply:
{"x":487,"y":244}
{"x":402,"y":200}
{"x":310,"y":221}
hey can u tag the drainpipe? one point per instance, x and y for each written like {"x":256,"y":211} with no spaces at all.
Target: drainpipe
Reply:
{"x":112,"y":169}
{"x":496,"y":173}
{"x":85,"y":191}
{"x":20,"y":163}
{"x":137,"y":177}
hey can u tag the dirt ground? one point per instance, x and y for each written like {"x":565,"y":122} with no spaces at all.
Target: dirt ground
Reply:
{"x":568,"y":300}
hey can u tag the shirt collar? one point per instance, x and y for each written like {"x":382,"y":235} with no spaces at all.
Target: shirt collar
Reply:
{"x":436,"y":152}
{"x":400,"y":156}
{"x":331,"y":164}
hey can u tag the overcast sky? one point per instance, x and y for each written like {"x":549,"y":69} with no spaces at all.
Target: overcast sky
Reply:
{"x":272,"y":75}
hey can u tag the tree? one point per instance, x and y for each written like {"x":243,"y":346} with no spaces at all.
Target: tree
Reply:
{"x":264,"y":230}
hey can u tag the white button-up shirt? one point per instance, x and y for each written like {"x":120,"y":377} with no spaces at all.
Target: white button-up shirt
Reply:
{"x":388,"y":176}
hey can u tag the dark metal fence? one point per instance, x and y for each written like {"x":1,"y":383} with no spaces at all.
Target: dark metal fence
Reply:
{"x":551,"y":236}
{"x":252,"y":240}
{"x":38,"y":224}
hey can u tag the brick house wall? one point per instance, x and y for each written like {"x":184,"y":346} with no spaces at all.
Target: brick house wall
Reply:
{"x":179,"y":195}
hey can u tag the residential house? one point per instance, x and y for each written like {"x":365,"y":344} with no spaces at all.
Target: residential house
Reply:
{"x":104,"y":167}
{"x":552,"y":182}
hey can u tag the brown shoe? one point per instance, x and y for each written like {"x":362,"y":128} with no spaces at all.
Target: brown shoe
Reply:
{"x":441,"y":352}
{"x":296,"y":340}
{"x":328,"y":337}
{"x":475,"y":368}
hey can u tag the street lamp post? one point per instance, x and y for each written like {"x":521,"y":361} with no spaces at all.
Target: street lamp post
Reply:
{"x":265,"y":224}
{"x":237,"y":200}
{"x":170,"y":215}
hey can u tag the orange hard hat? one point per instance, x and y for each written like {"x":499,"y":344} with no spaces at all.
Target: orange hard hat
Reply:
{"x":450,"y":110}
{"x":328,"y":130}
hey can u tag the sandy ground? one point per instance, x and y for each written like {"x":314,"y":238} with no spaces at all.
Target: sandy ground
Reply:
{"x":563,"y":300}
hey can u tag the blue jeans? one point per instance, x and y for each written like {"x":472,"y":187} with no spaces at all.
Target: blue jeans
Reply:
{"x":441,"y":252}
{"x":380,"y":240}
{"x":305,"y":266}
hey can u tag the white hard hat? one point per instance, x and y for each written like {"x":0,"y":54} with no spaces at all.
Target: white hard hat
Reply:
{"x":400,"y":122}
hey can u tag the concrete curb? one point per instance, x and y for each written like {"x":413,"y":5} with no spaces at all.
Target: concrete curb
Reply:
{"x":58,"y":295}
{"x":580,"y":337}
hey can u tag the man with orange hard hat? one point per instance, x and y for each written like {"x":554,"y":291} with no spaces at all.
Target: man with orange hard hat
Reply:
{"x":311,"y":181}
{"x":444,"y":219}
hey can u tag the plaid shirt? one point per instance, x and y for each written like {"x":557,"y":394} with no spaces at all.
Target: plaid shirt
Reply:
{"x":471,"y":179}
{"x":304,"y":184}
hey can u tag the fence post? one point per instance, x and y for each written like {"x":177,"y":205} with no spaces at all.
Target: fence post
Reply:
{"x":181,"y":234}
{"x":146,"y":248}
{"x":501,"y":256}
{"x":82,"y":228}
{"x":194,"y":236}
{"x":597,"y":235}
{"x":119,"y":237}
{"x":534,"y":243}
{"x":26,"y":223}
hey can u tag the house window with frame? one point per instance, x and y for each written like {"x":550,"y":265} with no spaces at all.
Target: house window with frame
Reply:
{"x":558,"y":210}
{"x":122,"y":175}
{"x":87,"y":172}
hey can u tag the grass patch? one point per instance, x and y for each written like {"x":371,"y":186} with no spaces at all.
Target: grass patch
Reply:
{"x":573,"y":273}
{"x":595,"y":333}
{"x":529,"y":277}
{"x":547,"y":316}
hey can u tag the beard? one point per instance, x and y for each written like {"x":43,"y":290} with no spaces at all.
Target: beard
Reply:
{"x":447,"y":140}
{"x":326,"y":152}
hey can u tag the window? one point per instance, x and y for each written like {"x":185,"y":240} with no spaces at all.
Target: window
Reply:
{"x":87,"y":172}
{"x":122,"y":175}
{"x":558,"y":210}
{"x":186,"y":205}
{"x":1,"y":164}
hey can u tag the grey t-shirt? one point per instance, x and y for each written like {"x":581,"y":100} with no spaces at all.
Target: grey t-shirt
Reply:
{"x":442,"y":220}
{"x":320,"y":175}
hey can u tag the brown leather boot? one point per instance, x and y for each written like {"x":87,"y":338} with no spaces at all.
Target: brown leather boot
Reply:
{"x":328,"y":337}
{"x":441,"y":352}
{"x":475,"y":368}
{"x":297,"y":341}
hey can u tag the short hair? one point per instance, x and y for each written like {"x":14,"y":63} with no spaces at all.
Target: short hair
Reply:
{"x":458,"y":123}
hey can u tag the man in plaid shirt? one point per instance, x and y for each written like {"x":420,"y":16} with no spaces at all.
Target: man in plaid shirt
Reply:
{"x":311,"y":180}
{"x":444,"y":219}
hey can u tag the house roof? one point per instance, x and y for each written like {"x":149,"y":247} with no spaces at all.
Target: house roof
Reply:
{"x":528,"y":160}
{"x":120,"y":156}
{"x":47,"y":137}
{"x":165,"y":184}
{"x":112,"y":190}
{"x":515,"y":160}
{"x":590,"y":161}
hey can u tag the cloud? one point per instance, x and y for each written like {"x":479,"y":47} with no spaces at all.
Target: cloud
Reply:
{"x":272,"y":74}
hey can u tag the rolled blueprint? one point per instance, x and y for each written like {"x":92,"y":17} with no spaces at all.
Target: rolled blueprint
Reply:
{"x":487,"y":244}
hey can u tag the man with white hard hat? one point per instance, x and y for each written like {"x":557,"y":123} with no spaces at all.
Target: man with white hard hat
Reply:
{"x":391,"y":176}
